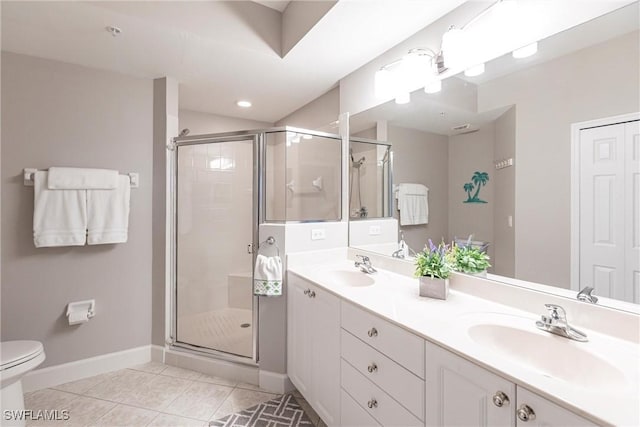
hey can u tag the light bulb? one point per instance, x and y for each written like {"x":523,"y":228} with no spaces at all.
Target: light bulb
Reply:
{"x":403,"y":98}
{"x":383,"y":84}
{"x":476,"y":70}
{"x":433,"y":86}
{"x":243,"y":104}
{"x":454,"y":46}
{"x":526,"y":51}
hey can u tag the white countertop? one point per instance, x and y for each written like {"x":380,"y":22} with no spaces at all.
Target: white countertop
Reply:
{"x":446,"y":323}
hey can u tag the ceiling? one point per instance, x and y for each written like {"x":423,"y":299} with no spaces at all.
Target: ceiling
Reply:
{"x":219,"y":51}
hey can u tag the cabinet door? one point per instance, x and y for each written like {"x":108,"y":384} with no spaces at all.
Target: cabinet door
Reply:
{"x":298,"y":330}
{"x":324,"y":315}
{"x":545,"y":413}
{"x":460,"y":393}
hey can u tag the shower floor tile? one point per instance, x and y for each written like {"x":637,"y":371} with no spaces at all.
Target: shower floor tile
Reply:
{"x":153,"y":394}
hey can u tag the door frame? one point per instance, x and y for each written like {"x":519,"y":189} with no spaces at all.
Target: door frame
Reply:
{"x":576,"y":128}
{"x":172,"y":199}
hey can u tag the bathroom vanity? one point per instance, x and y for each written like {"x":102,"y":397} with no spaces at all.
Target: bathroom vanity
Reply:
{"x":366,"y":350}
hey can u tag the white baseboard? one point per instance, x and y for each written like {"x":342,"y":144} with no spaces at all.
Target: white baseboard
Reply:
{"x":275,"y":382}
{"x":157,"y":353}
{"x":59,"y":374}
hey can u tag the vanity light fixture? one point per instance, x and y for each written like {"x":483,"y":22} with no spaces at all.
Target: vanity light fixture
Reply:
{"x":403,"y":98}
{"x":244,"y":104}
{"x":433,"y":86}
{"x":526,"y":51}
{"x":476,"y":70}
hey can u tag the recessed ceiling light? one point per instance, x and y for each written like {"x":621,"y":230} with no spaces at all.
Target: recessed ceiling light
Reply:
{"x":244,"y":104}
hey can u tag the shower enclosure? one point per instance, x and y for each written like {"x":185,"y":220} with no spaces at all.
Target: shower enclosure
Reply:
{"x":222,"y":187}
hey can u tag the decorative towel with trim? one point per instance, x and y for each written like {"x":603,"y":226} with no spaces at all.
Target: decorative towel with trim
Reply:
{"x":267,"y":276}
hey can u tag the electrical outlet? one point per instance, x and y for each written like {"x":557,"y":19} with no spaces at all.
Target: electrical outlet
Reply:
{"x":318,"y":234}
{"x":374,"y":230}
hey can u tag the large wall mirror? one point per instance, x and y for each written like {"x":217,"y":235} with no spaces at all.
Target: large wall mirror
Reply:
{"x":505,"y":162}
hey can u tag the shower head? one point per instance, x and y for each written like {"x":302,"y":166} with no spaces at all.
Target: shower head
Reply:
{"x":357,"y":163}
{"x":183,"y":132}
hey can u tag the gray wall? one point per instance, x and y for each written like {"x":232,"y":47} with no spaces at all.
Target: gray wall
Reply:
{"x":56,"y":114}
{"x":504,"y":196}
{"x":599,"y":81}
{"x":203,"y":123}
{"x":421,"y":157}
{"x":316,"y":115}
{"x":469,"y":153}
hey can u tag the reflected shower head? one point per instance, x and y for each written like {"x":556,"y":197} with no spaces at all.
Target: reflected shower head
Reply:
{"x":183,"y":132}
{"x":357,"y":163}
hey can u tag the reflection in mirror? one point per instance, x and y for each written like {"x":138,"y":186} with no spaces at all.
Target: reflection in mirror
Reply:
{"x":497,"y":152}
{"x":302,"y":176}
{"x":369,"y":179}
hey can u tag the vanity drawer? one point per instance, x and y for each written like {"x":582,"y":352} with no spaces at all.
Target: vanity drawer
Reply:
{"x":352,"y":415}
{"x":376,"y":402}
{"x":403,"y":347}
{"x":398,"y":382}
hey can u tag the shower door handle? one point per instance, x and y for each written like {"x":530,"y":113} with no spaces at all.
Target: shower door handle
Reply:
{"x":250,"y":249}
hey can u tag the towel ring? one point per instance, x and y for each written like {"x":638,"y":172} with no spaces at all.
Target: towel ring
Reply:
{"x":270,"y":241}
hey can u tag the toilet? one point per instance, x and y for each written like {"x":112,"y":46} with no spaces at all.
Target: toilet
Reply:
{"x":17,"y":358}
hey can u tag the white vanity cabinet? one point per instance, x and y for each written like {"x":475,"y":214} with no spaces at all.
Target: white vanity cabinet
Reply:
{"x":382,"y":374}
{"x":313,"y":346}
{"x":462,"y":393}
{"x":546,"y":414}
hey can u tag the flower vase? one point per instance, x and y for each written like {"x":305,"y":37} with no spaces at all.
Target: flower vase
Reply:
{"x":433,"y":287}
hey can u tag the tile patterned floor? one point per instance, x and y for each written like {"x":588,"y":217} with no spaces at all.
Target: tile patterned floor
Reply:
{"x":150,"y":395}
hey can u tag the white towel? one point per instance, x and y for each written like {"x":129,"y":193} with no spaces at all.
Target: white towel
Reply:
{"x":108,"y":214}
{"x":267,"y":276}
{"x":59,"y":216}
{"x":82,"y":179}
{"x":413,"y":203}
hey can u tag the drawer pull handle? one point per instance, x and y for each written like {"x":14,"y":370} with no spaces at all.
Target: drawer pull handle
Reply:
{"x":373,"y":403}
{"x":307,"y":291}
{"x":373,"y":332}
{"x":312,"y":294}
{"x":525,"y":413}
{"x":500,"y":399}
{"x":372,"y":368}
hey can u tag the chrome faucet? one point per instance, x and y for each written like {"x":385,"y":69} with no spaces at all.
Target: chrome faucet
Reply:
{"x":556,"y":323}
{"x":398,"y":254}
{"x":586,"y":295}
{"x":364,"y":265}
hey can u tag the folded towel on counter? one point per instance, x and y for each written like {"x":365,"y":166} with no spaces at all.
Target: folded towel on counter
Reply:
{"x":82,"y":179}
{"x":108,"y":213}
{"x":267,"y":276}
{"x":413,"y":204}
{"x":59,"y":216}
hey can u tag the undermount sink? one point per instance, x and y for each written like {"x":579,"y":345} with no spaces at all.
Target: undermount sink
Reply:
{"x":352,"y":278}
{"x":553,"y":356}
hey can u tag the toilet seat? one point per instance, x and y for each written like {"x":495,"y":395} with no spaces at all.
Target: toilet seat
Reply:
{"x":14,"y":353}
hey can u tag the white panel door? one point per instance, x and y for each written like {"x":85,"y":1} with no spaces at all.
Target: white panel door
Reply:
{"x":632,"y":211}
{"x":602,"y":210}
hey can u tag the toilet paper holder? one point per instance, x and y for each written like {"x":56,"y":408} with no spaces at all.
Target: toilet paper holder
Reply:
{"x":81,"y":311}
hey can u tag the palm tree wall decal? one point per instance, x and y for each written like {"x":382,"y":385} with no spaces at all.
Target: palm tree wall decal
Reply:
{"x":479,"y":180}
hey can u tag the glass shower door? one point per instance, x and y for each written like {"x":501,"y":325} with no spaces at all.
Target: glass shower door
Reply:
{"x":215,"y":226}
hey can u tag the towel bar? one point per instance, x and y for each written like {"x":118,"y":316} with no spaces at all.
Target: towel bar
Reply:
{"x":29,"y":173}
